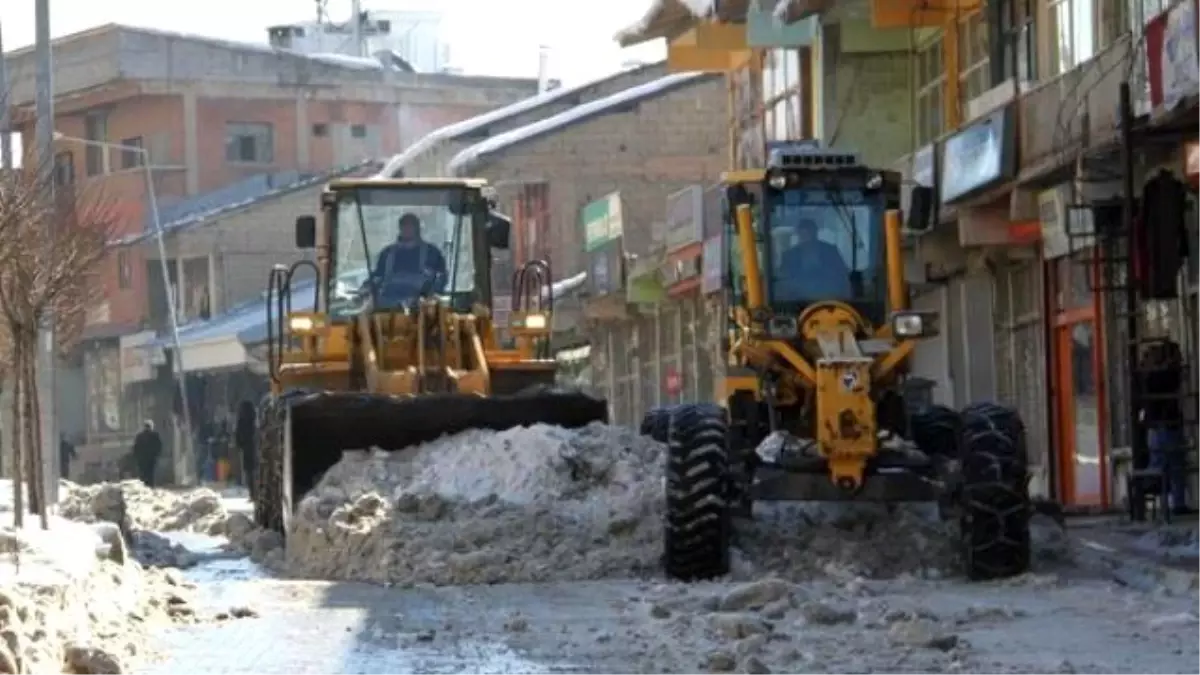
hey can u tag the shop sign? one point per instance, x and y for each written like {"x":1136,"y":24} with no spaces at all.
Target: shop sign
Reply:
{"x":601,"y":222}
{"x":683,"y":267}
{"x":713,"y":265}
{"x":977,"y":157}
{"x":1172,"y":56}
{"x":136,"y":365}
{"x":685,"y":218}
{"x":605,"y":269}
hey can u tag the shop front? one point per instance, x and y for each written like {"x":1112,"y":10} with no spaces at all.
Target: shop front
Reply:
{"x":682,"y":312}
{"x":994,"y":326}
{"x":1076,"y":335}
{"x":605,"y":309}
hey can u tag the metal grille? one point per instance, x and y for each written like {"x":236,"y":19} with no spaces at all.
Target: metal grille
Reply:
{"x":1020,"y":350}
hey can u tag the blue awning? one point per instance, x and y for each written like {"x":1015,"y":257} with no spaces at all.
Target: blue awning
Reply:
{"x":246,"y":323}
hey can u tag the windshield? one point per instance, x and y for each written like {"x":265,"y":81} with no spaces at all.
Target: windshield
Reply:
{"x":399,"y":243}
{"x":824,"y":245}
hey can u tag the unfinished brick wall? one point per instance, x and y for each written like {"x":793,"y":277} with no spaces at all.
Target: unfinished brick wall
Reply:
{"x":644,"y":150}
{"x":433,"y":163}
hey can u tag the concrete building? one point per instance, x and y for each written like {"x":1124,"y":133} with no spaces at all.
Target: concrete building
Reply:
{"x":211,"y":113}
{"x":588,"y":189}
{"x":220,"y":123}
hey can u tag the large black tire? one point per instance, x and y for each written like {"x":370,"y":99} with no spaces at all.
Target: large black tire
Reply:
{"x":995,"y":505}
{"x":655,"y":423}
{"x":268,"y":494}
{"x":697,"y":533}
{"x":936,"y":431}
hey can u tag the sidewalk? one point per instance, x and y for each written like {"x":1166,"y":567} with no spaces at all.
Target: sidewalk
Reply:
{"x":1141,"y":555}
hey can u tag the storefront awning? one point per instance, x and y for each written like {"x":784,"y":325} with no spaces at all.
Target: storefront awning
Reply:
{"x":221,"y":342}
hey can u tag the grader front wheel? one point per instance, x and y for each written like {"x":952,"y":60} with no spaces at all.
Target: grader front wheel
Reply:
{"x":697,"y":532}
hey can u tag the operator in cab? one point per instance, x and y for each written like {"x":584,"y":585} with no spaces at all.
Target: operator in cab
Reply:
{"x":814,"y":269}
{"x":409,"y":266}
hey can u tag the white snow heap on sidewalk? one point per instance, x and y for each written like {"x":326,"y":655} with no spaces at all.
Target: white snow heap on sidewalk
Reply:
{"x":140,"y":507}
{"x":545,"y":503}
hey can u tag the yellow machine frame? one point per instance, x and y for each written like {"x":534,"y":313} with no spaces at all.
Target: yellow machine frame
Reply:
{"x":842,"y":377}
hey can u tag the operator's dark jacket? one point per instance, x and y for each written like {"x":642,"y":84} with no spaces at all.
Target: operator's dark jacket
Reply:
{"x":423,"y":258}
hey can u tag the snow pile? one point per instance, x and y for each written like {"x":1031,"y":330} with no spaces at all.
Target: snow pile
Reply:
{"x":136,"y":507}
{"x":545,"y":504}
{"x":71,"y":602}
{"x":528,"y":504}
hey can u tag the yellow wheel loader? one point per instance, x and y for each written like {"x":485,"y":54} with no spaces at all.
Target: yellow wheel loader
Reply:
{"x":400,"y":348}
{"x":816,"y":403}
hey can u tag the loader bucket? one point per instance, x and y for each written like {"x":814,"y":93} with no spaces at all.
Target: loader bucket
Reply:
{"x":317,"y":427}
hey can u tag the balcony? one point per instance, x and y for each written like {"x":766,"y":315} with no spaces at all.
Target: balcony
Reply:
{"x":1059,"y":118}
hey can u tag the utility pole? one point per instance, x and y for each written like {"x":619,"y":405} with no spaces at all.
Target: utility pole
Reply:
{"x":44,"y":134}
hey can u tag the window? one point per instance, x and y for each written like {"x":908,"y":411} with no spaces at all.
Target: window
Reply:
{"x":124,"y":271}
{"x":320,"y":130}
{"x":95,"y":128}
{"x":358,"y":131}
{"x":782,"y":108}
{"x":1071,"y":34}
{"x":931,"y":88}
{"x":250,"y":142}
{"x":64,"y":168}
{"x":1020,"y":35}
{"x":974,"y":65}
{"x":131,"y":159}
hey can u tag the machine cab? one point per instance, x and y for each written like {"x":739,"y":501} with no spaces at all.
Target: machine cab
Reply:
{"x":819,"y":231}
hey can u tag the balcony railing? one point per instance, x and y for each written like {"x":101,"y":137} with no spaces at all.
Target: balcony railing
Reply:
{"x":1075,"y":110}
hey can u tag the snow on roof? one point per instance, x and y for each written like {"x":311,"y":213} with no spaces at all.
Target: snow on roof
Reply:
{"x":457,"y":129}
{"x":469,"y":156}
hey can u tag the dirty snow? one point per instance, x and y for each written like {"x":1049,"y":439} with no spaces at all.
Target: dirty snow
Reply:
{"x":143,"y":508}
{"x":548,"y":504}
{"x":72,"y":599}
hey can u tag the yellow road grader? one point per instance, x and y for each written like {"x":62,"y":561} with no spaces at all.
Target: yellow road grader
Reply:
{"x":816,"y":403}
{"x":392,"y":357}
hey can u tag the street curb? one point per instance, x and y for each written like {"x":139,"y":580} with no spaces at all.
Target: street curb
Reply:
{"x":1135,"y":572}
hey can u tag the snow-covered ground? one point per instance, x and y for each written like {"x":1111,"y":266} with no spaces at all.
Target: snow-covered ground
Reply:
{"x":536,"y":550}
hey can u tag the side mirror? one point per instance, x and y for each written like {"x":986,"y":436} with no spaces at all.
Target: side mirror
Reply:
{"x":306,"y":232}
{"x":921,"y":210}
{"x":499,"y":227}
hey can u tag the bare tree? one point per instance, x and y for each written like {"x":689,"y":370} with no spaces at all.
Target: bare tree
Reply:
{"x":50,"y":254}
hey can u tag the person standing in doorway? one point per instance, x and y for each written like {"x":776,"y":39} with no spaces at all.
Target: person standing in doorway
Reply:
{"x":244,"y":438}
{"x":66,"y":453}
{"x":147,"y":447}
{"x":1162,"y":415}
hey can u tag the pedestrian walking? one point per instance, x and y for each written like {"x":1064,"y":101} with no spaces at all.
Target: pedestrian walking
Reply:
{"x":147,"y":448}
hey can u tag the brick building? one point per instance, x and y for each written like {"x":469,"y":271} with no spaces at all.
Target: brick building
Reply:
{"x":626,"y":153}
{"x":211,"y":113}
{"x":219,"y":123}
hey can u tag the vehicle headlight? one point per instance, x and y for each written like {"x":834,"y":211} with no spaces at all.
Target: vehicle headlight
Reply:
{"x":908,"y":325}
{"x":300,"y":324}
{"x":536,"y":321}
{"x":778,"y":181}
